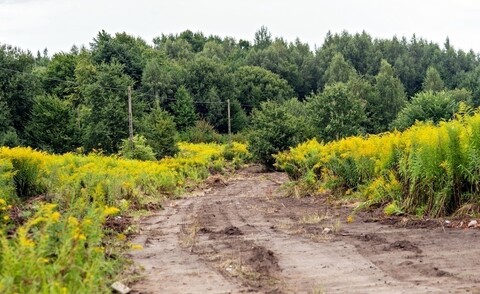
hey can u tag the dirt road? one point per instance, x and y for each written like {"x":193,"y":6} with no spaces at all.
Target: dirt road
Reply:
{"x":242,"y":236}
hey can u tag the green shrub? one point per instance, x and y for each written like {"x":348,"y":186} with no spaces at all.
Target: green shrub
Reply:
{"x":27,"y":177}
{"x":275,"y":127}
{"x":159,"y":129}
{"x":202,"y":132}
{"x":137,"y":149}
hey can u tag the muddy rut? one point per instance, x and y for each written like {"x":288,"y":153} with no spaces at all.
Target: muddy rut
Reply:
{"x":241,"y":235}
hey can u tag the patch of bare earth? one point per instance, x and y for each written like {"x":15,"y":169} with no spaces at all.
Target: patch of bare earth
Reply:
{"x":241,"y":235}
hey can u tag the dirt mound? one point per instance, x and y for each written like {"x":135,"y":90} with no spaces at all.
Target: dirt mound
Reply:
{"x":370,"y":237}
{"x":263,"y":261}
{"x":231,"y":231}
{"x":433,"y":271}
{"x":215,"y":181}
{"x":404,"y":245}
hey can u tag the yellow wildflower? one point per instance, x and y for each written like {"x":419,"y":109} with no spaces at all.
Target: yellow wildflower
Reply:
{"x":55,"y":216}
{"x":98,"y":249}
{"x":110,"y":210}
{"x":72,"y":221}
{"x":136,"y":247}
{"x":350,"y":219}
{"x":79,"y":236}
{"x":23,"y":240}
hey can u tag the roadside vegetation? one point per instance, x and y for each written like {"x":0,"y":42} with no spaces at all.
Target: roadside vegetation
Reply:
{"x":62,"y":217}
{"x":426,"y":170}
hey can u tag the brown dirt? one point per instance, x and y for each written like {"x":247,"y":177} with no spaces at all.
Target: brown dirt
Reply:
{"x":242,"y":235}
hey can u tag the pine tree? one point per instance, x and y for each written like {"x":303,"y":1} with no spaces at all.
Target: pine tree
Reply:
{"x":433,"y":82}
{"x":184,"y":109}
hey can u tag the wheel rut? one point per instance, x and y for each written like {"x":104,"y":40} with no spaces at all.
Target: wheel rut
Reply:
{"x":245,"y":237}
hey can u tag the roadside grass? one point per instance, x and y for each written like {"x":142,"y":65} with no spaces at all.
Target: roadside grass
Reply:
{"x":64,"y":218}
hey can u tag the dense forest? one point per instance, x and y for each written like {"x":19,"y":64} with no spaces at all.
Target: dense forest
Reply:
{"x":281,"y":92}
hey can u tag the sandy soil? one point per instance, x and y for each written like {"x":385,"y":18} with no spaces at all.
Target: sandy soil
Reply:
{"x":242,"y":235}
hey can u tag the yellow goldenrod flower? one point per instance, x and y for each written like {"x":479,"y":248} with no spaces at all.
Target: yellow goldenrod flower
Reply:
{"x":55,"y":216}
{"x":136,"y":247}
{"x":72,"y":221}
{"x":110,"y":210}
{"x":23,"y":240}
{"x":98,"y":249}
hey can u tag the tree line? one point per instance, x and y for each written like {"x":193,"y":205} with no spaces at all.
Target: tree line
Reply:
{"x":281,"y":92}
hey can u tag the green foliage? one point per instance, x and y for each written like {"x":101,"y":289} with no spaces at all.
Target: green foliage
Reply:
{"x":9,"y":138}
{"x":122,"y":48}
{"x":275,"y":127}
{"x":27,"y":176}
{"x":433,"y":82}
{"x":184,"y":109}
{"x":339,"y":71}
{"x":213,"y":69}
{"x":18,"y":85}
{"x":5,"y":117}
{"x":136,"y":149}
{"x":389,"y":99}
{"x":335,"y":113}
{"x":263,"y":38}
{"x":426,"y":106}
{"x":52,"y":126}
{"x":159,"y":129}
{"x":393,"y":209}
{"x":7,"y":183}
{"x":201,"y":132}
{"x":256,"y":85}
{"x":471,"y":81}
{"x":210,"y":84}
{"x":59,"y":76}
{"x":106,"y":97}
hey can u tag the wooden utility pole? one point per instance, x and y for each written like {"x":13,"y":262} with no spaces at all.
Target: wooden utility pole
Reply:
{"x":229,"y":122}
{"x":130,"y":115}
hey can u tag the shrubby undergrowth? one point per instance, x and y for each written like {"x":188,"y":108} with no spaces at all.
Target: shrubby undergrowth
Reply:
{"x":424,"y":170}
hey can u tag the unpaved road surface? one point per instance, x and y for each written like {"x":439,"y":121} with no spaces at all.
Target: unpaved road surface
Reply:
{"x":243,"y":236}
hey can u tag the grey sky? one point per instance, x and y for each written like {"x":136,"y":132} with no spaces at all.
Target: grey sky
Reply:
{"x":58,"y":24}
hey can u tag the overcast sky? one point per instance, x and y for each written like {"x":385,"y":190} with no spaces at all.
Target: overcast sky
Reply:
{"x":58,"y":24}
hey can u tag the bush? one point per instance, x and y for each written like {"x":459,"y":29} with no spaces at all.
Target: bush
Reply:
{"x":426,"y":106}
{"x":9,"y":138}
{"x":202,"y":132}
{"x":137,"y":149}
{"x":159,"y":129}
{"x":275,"y":127}
{"x":27,"y":172}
